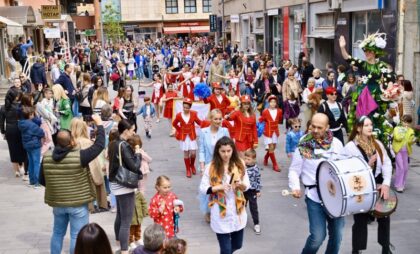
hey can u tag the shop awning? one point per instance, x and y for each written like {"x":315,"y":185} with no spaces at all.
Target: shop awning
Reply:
{"x":186,"y":29}
{"x":13,"y":28}
{"x":322,"y":34}
{"x":23,"y":15}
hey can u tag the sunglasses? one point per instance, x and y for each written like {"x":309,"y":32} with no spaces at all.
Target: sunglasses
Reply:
{"x":335,"y":94}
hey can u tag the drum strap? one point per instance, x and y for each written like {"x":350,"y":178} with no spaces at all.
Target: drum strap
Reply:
{"x":310,"y":186}
{"x":379,"y":178}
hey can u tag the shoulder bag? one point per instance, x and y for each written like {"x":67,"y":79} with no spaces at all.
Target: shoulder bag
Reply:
{"x":126,"y":177}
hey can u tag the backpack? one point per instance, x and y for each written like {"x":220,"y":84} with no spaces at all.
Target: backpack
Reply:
{"x":16,"y":52}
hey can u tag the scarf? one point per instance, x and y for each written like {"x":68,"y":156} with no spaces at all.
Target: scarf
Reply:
{"x":367,"y":146}
{"x":311,"y":89}
{"x":219,"y":197}
{"x":308,"y":145}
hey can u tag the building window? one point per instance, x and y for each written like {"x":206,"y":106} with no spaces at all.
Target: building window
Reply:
{"x":171,"y":6}
{"x":259,"y":23}
{"x":190,"y":6}
{"x":206,"y":6}
{"x":364,"y":24}
{"x":325,"y":20}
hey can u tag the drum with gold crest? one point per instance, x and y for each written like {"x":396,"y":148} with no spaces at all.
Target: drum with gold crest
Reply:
{"x":346,"y":186}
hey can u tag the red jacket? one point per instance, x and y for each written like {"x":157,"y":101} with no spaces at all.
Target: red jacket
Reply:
{"x":214,"y":103}
{"x":184,"y":89}
{"x":271,"y":125}
{"x":183,"y":129}
{"x":245,"y":127}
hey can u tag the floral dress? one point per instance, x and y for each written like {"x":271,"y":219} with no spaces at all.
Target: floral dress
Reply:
{"x":166,"y":218}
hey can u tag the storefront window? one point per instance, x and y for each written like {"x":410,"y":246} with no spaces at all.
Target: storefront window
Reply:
{"x":363,"y":24}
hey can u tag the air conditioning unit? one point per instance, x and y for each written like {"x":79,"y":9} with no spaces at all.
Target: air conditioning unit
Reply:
{"x":299,"y":16}
{"x":335,"y":4}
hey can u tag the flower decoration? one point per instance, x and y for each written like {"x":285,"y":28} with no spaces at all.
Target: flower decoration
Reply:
{"x":374,"y":42}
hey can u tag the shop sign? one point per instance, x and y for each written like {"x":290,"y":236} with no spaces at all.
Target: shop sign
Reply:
{"x":90,"y":32}
{"x":50,"y":12}
{"x":52,"y":33}
{"x":213,"y":23}
{"x":274,"y":12}
{"x":234,"y":18}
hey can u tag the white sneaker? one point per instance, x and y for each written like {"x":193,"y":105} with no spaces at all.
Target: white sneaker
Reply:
{"x":257,"y":229}
{"x":17,"y":174}
{"x":132,"y":246}
{"x":140,"y":242}
{"x":158,"y":120}
{"x":25,"y":178}
{"x":113,"y":210}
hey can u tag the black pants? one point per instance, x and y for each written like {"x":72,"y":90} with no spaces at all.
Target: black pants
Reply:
{"x":360,"y":232}
{"x":251,"y":198}
{"x":125,"y":211}
{"x":339,"y":134}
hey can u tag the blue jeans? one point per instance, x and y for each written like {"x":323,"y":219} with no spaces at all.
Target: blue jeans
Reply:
{"x":231,"y":242}
{"x":77,"y":216}
{"x":318,"y":219}
{"x":34,"y":161}
{"x":75,"y":108}
{"x":140,"y":73}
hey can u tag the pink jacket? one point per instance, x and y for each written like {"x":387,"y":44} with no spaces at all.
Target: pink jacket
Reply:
{"x":145,"y":160}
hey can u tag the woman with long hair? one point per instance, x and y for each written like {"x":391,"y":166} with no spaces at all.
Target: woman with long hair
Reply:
{"x":97,"y":82}
{"x":9,"y":129}
{"x":225,"y":179}
{"x":245,"y":124}
{"x":131,"y":160}
{"x":63,"y":106}
{"x":79,"y":132}
{"x":100,"y":98}
{"x":363,"y":144}
{"x":128,"y":106}
{"x":85,"y":103}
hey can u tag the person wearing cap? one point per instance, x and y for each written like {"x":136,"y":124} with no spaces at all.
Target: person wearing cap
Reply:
{"x":185,"y":134}
{"x":272,"y":117}
{"x":217,"y":99}
{"x":334,"y":111}
{"x":245,"y":126}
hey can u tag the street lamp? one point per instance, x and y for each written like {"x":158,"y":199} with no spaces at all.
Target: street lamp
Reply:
{"x":102,"y":26}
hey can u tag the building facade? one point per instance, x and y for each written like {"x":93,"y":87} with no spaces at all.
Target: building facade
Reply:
{"x":152,"y":18}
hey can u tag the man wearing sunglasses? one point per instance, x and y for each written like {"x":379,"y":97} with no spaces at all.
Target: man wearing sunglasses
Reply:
{"x":335,"y":113}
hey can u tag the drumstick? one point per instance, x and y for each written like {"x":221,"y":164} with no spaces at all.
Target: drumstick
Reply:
{"x":231,"y":179}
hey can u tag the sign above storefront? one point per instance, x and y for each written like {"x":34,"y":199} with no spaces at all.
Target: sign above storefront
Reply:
{"x":234,"y":18}
{"x":50,"y":12}
{"x":274,"y":12}
{"x":52,"y":33}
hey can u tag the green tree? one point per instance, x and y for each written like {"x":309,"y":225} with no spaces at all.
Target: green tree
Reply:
{"x":113,"y":29}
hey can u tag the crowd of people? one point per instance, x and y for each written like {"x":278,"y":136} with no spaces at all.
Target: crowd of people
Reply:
{"x":60,"y":119}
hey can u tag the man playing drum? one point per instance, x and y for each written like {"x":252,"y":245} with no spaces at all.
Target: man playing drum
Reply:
{"x":311,"y":148}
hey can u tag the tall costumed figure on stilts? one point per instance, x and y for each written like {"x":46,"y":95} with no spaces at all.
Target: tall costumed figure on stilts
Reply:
{"x":375,"y":94}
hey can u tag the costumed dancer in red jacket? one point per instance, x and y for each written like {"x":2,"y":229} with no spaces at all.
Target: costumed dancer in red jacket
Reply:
{"x":245,"y":124}
{"x":272,"y":117}
{"x":168,"y":98}
{"x":185,"y":133}
{"x":218,"y":99}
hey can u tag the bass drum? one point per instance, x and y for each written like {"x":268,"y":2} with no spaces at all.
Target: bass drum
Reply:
{"x":346,"y":186}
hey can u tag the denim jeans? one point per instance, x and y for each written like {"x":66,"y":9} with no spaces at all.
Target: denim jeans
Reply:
{"x":318,"y":220}
{"x":230,"y":242}
{"x":77,"y":216}
{"x":75,"y":108}
{"x":140,"y":73}
{"x":34,"y":161}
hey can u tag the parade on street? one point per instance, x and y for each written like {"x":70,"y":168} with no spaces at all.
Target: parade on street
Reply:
{"x":216,"y":127}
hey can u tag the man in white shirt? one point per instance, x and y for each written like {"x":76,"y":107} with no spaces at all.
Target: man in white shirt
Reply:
{"x":309,"y":154}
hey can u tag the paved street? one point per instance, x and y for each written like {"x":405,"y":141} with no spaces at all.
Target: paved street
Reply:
{"x":26,"y":222}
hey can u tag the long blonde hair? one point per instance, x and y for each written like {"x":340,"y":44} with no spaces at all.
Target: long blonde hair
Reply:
{"x":58,"y":92}
{"x":78,"y":129}
{"x":100,"y":94}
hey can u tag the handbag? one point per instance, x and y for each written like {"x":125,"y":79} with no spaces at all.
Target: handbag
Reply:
{"x":126,"y":177}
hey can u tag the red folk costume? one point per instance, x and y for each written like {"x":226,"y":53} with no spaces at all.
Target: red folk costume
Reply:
{"x":222,"y":102}
{"x":186,"y":129}
{"x":166,"y":218}
{"x":245,"y":128}
{"x":158,"y":91}
{"x":271,"y":131}
{"x":169,"y":105}
{"x":187,"y":88}
{"x":225,"y":123}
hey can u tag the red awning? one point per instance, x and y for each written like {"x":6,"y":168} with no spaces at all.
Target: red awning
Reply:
{"x":186,"y":29}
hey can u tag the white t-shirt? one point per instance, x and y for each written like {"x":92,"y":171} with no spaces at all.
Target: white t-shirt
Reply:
{"x":335,"y":110}
{"x":273,"y":113}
